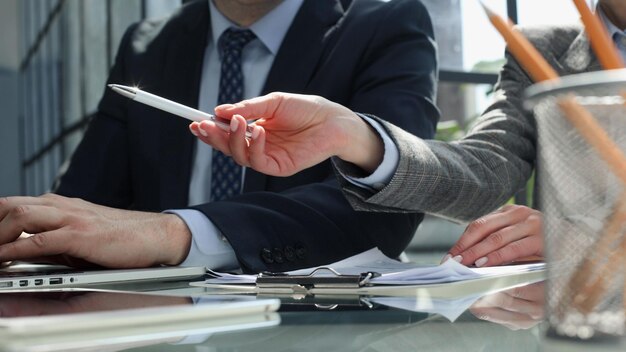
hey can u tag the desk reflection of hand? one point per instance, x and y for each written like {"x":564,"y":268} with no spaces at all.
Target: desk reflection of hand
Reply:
{"x":38,"y":304}
{"x":516,"y":308}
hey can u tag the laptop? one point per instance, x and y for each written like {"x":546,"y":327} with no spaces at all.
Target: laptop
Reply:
{"x":23,"y":275}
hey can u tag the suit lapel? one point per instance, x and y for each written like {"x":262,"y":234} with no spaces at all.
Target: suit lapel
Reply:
{"x":297,"y":58}
{"x":182,"y":73}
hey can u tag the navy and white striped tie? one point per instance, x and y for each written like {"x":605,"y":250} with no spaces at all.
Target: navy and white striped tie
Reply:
{"x":225,"y":173}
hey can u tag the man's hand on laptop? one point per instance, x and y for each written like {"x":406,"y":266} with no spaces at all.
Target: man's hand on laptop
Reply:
{"x":72,"y":231}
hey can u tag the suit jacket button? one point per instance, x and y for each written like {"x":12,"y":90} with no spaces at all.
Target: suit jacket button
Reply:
{"x":300,"y":252}
{"x":266,"y":255}
{"x":278,"y":255}
{"x":290,"y":253}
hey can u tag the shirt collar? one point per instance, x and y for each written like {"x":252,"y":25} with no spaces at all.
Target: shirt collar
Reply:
{"x":270,"y":29}
{"x":611,"y":28}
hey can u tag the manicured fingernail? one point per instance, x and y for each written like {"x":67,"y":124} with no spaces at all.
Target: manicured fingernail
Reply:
{"x":256,"y":130}
{"x":445,"y":258}
{"x":234,"y":123}
{"x":480,"y":262}
{"x":203,"y":132}
{"x":194,"y":132}
{"x":457,"y":258}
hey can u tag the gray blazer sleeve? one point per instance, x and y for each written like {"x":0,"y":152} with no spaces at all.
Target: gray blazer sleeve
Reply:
{"x":464,"y":179}
{"x":468,"y":178}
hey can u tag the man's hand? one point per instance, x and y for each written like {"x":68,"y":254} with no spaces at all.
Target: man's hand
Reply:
{"x":292,"y":132}
{"x":516,"y":308}
{"x":75,"y":232}
{"x":512,"y":233}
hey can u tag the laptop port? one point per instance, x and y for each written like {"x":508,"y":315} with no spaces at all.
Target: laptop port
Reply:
{"x":38,"y":282}
{"x":23,"y":283}
{"x":56,"y":281}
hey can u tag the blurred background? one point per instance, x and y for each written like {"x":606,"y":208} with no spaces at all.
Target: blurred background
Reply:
{"x":55,"y":56}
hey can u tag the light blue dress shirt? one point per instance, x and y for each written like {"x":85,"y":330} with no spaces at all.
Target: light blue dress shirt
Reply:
{"x":385,"y":171}
{"x":209,"y":247}
{"x":618,"y":35}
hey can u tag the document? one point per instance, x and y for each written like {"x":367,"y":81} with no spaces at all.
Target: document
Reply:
{"x":392,"y":272}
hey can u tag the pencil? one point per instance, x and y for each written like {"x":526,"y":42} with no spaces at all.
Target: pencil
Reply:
{"x":532,"y":61}
{"x":577,"y":284}
{"x":539,"y":70}
{"x":600,"y":40}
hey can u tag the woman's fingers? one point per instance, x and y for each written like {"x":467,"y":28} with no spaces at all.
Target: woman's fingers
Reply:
{"x":503,"y":236}
{"x":255,"y":108}
{"x":237,"y":142}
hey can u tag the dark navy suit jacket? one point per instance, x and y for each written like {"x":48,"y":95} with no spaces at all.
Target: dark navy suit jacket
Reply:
{"x":372,"y":56}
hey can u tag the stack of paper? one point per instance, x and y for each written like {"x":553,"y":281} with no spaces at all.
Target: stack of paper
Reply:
{"x":392,"y":272}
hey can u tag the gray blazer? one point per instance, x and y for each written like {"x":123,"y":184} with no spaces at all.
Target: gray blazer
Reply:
{"x":468,"y":178}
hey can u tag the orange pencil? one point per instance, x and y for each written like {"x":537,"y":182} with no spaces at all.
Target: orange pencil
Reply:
{"x":536,"y":66}
{"x":540,"y":70}
{"x":600,"y":40}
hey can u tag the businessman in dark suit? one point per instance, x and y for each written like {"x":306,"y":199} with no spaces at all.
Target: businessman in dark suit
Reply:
{"x":370,"y":55}
{"x":461,"y":180}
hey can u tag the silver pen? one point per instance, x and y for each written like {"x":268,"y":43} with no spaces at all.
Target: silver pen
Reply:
{"x":173,"y":107}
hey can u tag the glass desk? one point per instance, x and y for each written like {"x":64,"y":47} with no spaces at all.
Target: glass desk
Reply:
{"x":510,"y":320}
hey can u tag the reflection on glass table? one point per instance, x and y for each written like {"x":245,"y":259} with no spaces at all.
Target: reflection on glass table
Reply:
{"x":66,"y":320}
{"x":352,"y":323}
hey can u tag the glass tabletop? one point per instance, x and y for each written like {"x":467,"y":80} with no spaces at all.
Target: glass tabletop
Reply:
{"x":508,"y":320}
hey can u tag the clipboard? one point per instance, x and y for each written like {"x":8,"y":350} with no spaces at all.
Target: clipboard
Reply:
{"x":304,"y":283}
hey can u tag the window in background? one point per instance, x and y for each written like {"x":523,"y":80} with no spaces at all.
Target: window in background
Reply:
{"x":470,"y":53}
{"x":552,"y":12}
{"x":68,"y":47}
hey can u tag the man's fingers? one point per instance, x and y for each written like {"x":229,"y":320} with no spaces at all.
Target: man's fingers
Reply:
{"x":255,"y":108}
{"x":38,"y":245}
{"x":30,"y":219}
{"x":8,"y":203}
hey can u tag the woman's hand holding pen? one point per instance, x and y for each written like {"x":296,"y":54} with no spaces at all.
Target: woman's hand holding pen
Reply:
{"x":292,"y":132}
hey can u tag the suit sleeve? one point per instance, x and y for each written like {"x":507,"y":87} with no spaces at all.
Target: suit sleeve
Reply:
{"x":314,"y":224}
{"x":464,"y":179}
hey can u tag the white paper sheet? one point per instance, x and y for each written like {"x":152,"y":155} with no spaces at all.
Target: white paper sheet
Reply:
{"x":392,"y":271}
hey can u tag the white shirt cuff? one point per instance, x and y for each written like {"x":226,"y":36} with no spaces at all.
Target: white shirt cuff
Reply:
{"x":209,"y":248}
{"x":387,"y":168}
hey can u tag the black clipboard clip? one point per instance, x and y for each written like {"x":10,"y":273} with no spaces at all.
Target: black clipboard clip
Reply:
{"x":303,"y":283}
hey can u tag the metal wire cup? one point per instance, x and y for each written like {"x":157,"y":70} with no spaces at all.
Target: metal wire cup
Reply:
{"x":584,"y":205}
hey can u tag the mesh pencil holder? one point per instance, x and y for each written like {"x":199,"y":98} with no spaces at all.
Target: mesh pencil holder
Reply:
{"x":583,"y":200}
